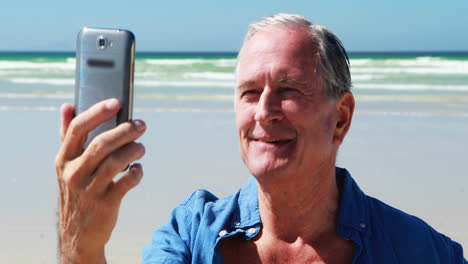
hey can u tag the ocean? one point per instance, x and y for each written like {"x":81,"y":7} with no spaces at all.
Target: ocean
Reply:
{"x":205,"y":81}
{"x":406,"y":146}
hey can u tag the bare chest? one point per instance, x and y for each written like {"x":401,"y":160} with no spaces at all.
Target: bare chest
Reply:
{"x":239,"y":251}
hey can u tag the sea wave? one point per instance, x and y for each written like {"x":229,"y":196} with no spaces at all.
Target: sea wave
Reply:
{"x":426,"y":98}
{"x":145,"y":83}
{"x":429,"y":62}
{"x":71,"y":60}
{"x":432,"y":62}
{"x":51,"y":81}
{"x":37,"y":94}
{"x":411,"y":87}
{"x":366,"y":77}
{"x":137,"y":109}
{"x":209,"y":75}
{"x":216,"y":62}
{"x":359,"y":62}
{"x":9,"y":65}
{"x":422,"y":61}
{"x":207,"y":84}
{"x":156,"y":96}
{"x":27,"y":108}
{"x":460,"y":70}
{"x":186,"y":97}
{"x":413,"y":113}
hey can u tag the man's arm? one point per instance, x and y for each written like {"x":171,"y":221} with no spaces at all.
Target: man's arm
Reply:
{"x":89,"y":196}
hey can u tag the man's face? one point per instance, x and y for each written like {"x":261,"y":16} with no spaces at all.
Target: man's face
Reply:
{"x":285,"y":123}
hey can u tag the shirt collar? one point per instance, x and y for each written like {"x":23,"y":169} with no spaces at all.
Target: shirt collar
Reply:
{"x":353,"y":211}
{"x":248,"y":214}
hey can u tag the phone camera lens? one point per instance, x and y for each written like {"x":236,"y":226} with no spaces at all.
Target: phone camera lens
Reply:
{"x":102,"y":43}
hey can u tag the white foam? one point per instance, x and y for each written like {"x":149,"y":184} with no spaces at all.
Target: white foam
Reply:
{"x":460,"y":69}
{"x":186,"y":97}
{"x":427,"y":62}
{"x":412,"y":113}
{"x":137,"y":109}
{"x":56,"y":81}
{"x":419,"y":65}
{"x":366,"y":77}
{"x":411,"y":87}
{"x":35,"y":95}
{"x":28,"y":108}
{"x":71,"y":60}
{"x":36,"y":65}
{"x":446,"y":98}
{"x":217,"y":62}
{"x":184,"y":109}
{"x":173,"y":62}
{"x":226,"y":62}
{"x":206,"y":84}
{"x":209,"y":75}
{"x":158,"y":75}
{"x":146,"y":74}
{"x":359,"y":62}
{"x":420,"y":61}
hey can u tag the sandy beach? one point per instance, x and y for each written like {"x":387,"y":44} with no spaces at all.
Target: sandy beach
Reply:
{"x":411,"y":161}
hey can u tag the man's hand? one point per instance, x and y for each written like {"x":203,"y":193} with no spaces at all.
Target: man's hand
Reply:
{"x":89,"y":196}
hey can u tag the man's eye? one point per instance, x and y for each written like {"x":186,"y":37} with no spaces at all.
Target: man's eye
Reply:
{"x":288,"y":90}
{"x":249,"y":92}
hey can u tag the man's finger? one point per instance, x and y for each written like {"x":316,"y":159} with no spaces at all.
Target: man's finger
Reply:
{"x":107,"y":142}
{"x":66,"y":116}
{"x":83,"y":123}
{"x":126,"y":182}
{"x":115,"y":163}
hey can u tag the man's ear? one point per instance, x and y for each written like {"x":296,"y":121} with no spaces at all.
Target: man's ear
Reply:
{"x":344,"y":113}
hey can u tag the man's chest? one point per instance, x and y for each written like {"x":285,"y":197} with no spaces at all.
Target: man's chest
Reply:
{"x":241,"y":251}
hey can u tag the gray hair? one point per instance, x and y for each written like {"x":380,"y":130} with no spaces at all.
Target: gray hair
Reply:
{"x":332,"y":59}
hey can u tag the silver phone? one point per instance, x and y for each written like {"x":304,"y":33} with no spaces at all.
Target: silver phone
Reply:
{"x":104,"y":69}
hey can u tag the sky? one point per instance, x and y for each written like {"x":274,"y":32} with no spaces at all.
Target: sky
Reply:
{"x":368,"y":25}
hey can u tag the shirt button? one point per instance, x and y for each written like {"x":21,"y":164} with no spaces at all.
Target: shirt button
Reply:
{"x":252,"y":230}
{"x":222,"y":233}
{"x":362,"y":225}
{"x":237,"y":223}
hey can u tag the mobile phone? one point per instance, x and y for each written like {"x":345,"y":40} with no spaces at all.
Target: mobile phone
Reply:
{"x":104,"y":69}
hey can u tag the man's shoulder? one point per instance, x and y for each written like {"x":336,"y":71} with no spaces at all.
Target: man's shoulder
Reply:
{"x":394,"y":219}
{"x":409,"y":235}
{"x":201,"y":200}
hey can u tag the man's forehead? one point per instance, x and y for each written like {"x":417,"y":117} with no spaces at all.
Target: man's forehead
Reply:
{"x":287,"y":75}
{"x":279,"y":46}
{"x":295,"y":40}
{"x":280,"y":55}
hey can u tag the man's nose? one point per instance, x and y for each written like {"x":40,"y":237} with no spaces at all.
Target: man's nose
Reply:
{"x":268,"y":108}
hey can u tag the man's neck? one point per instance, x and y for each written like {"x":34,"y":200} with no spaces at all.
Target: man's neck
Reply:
{"x":304,"y":207}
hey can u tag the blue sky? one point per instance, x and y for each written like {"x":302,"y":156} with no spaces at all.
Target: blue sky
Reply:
{"x":399,"y":25}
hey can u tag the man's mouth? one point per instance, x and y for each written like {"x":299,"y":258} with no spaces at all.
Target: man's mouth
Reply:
{"x":275,"y":141}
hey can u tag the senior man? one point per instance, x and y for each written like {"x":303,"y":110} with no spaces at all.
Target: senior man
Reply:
{"x":293,"y":109}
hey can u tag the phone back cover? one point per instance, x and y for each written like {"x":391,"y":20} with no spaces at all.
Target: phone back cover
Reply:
{"x":103,"y":73}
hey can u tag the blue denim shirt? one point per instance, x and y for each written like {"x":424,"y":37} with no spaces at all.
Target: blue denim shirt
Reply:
{"x":381,"y":234}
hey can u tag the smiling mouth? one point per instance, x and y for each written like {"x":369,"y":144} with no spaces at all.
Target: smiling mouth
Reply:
{"x":274,"y":141}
